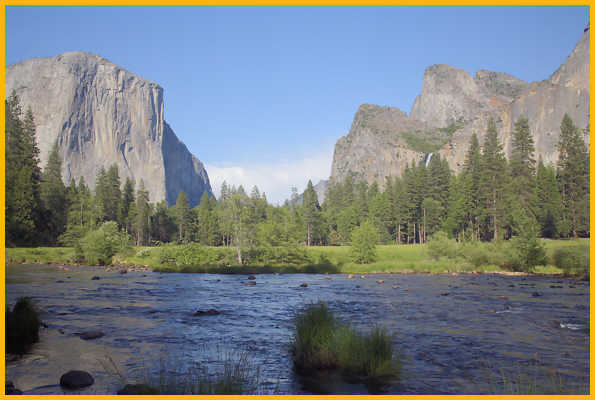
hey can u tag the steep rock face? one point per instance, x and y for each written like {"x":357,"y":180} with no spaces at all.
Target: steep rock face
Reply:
{"x":101,"y":114}
{"x":374,"y":147}
{"x":453,"y":105}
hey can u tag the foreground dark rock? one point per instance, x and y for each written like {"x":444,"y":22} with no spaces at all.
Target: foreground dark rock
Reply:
{"x":90,"y":335}
{"x":10,"y":389}
{"x":138,"y":389}
{"x":76,"y":379}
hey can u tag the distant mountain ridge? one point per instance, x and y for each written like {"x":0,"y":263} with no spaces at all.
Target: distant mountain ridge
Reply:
{"x":101,"y":114}
{"x":452,"y":106}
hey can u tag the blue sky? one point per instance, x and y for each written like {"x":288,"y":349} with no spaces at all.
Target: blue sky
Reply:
{"x":261,"y":94}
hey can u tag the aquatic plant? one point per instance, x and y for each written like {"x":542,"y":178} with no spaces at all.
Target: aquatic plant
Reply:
{"x":237,"y":374}
{"x":22,"y":326}
{"x":321,"y":342}
{"x":538,"y":380}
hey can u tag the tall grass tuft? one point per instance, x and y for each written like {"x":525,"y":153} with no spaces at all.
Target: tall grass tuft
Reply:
{"x":321,"y":342}
{"x":237,"y":375}
{"x":315,"y":329}
{"x":22,"y":326}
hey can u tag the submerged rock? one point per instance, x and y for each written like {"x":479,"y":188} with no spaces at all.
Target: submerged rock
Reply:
{"x":304,"y":285}
{"x":76,"y":379}
{"x":200,"y":313}
{"x":250,"y":283}
{"x":536,"y":294}
{"x":251,"y":277}
{"x":89,"y":335}
{"x":380,"y":281}
{"x":95,"y":278}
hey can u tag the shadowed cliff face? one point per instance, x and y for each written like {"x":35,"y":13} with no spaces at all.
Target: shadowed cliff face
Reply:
{"x":452,"y":106}
{"x":101,"y":114}
{"x":183,"y":171}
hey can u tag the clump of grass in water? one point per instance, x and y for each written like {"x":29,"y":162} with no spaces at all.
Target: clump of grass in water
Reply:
{"x":22,"y":326}
{"x":312,"y":346}
{"x":238,"y":375}
{"x":321,"y":342}
{"x":539,"y":380}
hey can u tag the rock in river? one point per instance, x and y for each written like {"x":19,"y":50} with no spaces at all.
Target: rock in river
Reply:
{"x":251,"y":277}
{"x":95,"y":278}
{"x":250,"y":283}
{"x":76,"y":379}
{"x":304,"y":285}
{"x":200,"y":313}
{"x":89,"y":335}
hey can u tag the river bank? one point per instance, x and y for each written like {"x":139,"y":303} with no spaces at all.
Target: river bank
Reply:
{"x":400,"y":259}
{"x":455,"y":334}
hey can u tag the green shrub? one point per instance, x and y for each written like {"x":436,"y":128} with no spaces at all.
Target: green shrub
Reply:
{"x":363,"y":243}
{"x":573,"y":260}
{"x":99,"y":246}
{"x":439,"y":245}
{"x":22,"y":326}
{"x":526,"y":253}
{"x":477,"y":254}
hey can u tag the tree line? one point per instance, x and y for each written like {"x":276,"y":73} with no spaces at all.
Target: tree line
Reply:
{"x":491,"y":199}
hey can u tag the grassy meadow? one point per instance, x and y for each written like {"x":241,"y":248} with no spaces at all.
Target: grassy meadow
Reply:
{"x":405,"y":258}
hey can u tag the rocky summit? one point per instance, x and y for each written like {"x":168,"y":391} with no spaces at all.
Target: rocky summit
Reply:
{"x":100,"y":114}
{"x":452,"y":106}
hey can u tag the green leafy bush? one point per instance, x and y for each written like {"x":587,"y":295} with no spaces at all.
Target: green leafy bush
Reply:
{"x":22,"y":326}
{"x":439,"y":245}
{"x":363,"y":243}
{"x":99,"y":246}
{"x":573,"y":260}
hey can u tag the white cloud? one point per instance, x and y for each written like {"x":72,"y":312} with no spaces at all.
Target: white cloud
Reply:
{"x":275,"y":178}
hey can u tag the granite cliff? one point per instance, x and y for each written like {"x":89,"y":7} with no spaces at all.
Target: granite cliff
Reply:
{"x":452,"y":106}
{"x":101,"y":114}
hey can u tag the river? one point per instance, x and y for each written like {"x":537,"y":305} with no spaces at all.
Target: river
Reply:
{"x":455,"y":334}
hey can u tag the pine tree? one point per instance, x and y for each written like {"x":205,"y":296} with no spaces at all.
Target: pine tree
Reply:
{"x":53,"y":196}
{"x":142,"y":221}
{"x":163,"y":226}
{"x":127,"y":201}
{"x":183,"y":217}
{"x":23,"y":216}
{"x":311,"y":212}
{"x":548,"y":201}
{"x":522,"y":164}
{"x":573,"y":176}
{"x":493,"y":182}
{"x":472,"y":178}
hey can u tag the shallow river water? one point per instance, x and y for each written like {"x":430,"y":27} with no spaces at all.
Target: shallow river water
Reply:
{"x":455,"y":334}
